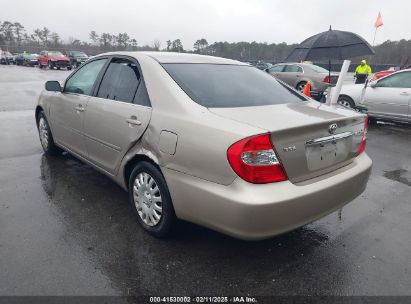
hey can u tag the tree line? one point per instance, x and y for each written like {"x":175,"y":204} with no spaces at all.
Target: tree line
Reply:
{"x":15,"y":37}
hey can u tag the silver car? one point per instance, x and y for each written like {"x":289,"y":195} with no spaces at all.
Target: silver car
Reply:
{"x":298,"y":74}
{"x":387,"y":98}
{"x":208,"y":140}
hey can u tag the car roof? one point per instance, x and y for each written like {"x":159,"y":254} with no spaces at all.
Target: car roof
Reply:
{"x":171,"y":57}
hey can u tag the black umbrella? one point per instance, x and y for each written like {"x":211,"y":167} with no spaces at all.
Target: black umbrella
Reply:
{"x":338,"y":45}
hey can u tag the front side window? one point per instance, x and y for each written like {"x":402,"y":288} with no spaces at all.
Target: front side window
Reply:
{"x":399,"y":80}
{"x":277,"y":69}
{"x":226,"y":86}
{"x":120,"y":81}
{"x":82,"y":81}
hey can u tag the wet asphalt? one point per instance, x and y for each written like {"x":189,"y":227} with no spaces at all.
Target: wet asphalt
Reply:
{"x":66,"y":229}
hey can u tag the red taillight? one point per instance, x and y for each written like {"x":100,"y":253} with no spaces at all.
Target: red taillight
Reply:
{"x":326,"y":79}
{"x":254,"y":160}
{"x":364,"y":137}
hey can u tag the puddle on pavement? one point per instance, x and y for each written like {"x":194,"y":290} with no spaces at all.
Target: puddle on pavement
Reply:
{"x":398,"y":175}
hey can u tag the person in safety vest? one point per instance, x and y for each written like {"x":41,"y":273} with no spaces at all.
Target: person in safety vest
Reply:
{"x":362,"y":72}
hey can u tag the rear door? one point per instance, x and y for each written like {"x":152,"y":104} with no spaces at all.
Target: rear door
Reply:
{"x":117,"y":115}
{"x":67,"y":110}
{"x":390,"y":97}
{"x":292,"y":74}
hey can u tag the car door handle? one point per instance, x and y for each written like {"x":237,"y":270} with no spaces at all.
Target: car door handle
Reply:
{"x":405,"y":94}
{"x":79,"y":108}
{"x":133,"y":121}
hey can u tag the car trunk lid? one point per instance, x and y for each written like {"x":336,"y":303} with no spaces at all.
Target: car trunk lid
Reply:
{"x":310,"y":139}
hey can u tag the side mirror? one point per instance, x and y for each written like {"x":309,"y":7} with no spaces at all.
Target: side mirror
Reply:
{"x":373,"y":84}
{"x":53,"y":86}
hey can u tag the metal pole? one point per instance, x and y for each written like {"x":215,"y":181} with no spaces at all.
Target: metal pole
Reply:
{"x":329,"y":71}
{"x":343,"y":74}
{"x":375,"y":34}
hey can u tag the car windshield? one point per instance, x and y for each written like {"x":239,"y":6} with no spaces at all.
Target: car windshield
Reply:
{"x":226,"y":86}
{"x":317,"y":68}
{"x":30,"y":56}
{"x":55,"y":54}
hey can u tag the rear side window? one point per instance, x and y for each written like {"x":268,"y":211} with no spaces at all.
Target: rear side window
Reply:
{"x":120,"y":81}
{"x":293,"y":69}
{"x":227,"y":86}
{"x":82,"y":81}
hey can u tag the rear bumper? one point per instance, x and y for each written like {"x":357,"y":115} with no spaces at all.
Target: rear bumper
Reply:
{"x":249,"y":211}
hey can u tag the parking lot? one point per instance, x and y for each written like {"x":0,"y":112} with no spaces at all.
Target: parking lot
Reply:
{"x":66,"y":229}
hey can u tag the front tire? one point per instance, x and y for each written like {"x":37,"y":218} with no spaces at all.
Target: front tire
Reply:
{"x":46,"y":138}
{"x":346,"y":101}
{"x":148,"y":193}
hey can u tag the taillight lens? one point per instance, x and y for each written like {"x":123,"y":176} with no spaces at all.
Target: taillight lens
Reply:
{"x":364,"y":137}
{"x":326,"y":79}
{"x":254,"y":160}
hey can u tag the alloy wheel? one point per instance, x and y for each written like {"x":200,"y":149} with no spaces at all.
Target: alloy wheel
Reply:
{"x":344,"y":103}
{"x":44,"y":133}
{"x":147,"y":199}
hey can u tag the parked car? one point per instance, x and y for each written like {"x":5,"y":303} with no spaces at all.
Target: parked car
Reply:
{"x":298,"y":74}
{"x":6,"y":57}
{"x":387,"y":98}
{"x":208,"y":140}
{"x":26,"y":59}
{"x":53,"y":59}
{"x":261,"y":65}
{"x":391,"y":70}
{"x":77,"y":57}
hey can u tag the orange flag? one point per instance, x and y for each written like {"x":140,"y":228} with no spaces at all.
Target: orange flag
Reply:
{"x":378,"y":22}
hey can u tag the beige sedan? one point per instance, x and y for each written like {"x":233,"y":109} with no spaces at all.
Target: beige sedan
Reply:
{"x":207,"y":140}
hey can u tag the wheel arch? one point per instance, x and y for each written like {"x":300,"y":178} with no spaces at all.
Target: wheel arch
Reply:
{"x":129,"y":166}
{"x":348,"y":97}
{"x":300,"y":82}
{"x":38,"y":110}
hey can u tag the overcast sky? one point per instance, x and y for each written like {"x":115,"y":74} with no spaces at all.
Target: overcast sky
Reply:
{"x":271,"y":21}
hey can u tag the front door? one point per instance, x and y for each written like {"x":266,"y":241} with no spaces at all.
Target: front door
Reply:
{"x":68,"y":110}
{"x":117,"y":116}
{"x":390,"y":97}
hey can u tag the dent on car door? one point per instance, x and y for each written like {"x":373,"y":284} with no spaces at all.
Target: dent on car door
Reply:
{"x":390,"y":97}
{"x":117,"y":115}
{"x":68,"y":108}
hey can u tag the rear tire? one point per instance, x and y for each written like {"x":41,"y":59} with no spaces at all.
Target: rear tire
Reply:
{"x":149,"y":195}
{"x":372,"y":120}
{"x":301,"y":86}
{"x":46,"y":138}
{"x":346,"y":101}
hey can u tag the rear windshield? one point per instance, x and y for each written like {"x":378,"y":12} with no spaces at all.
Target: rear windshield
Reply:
{"x":227,"y":86}
{"x":317,"y":68}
